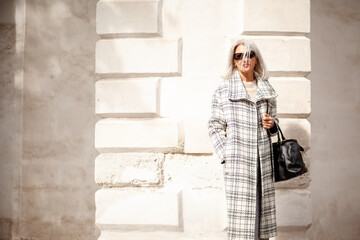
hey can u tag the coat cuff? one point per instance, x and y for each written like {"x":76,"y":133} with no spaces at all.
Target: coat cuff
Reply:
{"x":274,"y":129}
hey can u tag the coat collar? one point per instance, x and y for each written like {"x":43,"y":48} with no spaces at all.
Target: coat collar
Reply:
{"x":237,"y":90}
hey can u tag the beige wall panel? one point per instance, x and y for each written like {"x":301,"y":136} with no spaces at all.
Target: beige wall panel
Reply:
{"x":201,"y":217}
{"x":127,"y":97}
{"x":112,"y":135}
{"x":128,"y":17}
{"x":137,"y":209}
{"x":201,"y":18}
{"x":282,"y":16}
{"x":294,"y":96}
{"x":138,"y":57}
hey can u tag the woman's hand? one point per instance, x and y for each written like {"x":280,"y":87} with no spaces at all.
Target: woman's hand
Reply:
{"x":267,"y":121}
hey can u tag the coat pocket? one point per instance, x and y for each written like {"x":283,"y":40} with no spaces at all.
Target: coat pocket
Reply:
{"x":228,"y":155}
{"x":223,"y":160}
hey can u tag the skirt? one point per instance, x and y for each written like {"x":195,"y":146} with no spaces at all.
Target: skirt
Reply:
{"x":258,"y":204}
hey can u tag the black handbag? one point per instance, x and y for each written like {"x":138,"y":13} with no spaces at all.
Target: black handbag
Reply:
{"x":287,"y":160}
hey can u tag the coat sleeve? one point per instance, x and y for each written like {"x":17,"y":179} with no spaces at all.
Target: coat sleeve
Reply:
{"x":272,"y":112}
{"x":217,"y":126}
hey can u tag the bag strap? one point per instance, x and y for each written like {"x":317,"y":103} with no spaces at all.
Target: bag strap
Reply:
{"x":278,"y":126}
{"x":271,"y":146}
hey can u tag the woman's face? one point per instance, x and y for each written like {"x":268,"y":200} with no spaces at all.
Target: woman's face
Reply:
{"x":245,"y":65}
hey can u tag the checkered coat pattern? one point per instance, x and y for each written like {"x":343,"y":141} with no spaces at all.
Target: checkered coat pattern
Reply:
{"x":239,"y":139}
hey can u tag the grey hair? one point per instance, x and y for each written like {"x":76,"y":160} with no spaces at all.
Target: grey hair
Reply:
{"x":260,"y":69}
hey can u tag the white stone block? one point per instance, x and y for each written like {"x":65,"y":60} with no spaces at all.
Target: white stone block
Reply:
{"x":202,"y":18}
{"x":137,"y":209}
{"x":128,"y":169}
{"x":204,"y":210}
{"x":190,"y":171}
{"x":204,"y":58}
{"x":293,"y":208}
{"x":187,"y":97}
{"x":197,"y":138}
{"x":276,"y":16}
{"x":294,"y":95}
{"x":127,"y":97}
{"x":128,"y":17}
{"x":172,"y":97}
{"x":284,"y":56}
{"x":139,"y":57}
{"x":119,"y":135}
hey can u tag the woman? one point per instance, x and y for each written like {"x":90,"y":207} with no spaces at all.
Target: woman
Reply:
{"x":243,"y":119}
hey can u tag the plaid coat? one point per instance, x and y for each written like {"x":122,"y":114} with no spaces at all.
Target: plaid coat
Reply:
{"x":239,"y":139}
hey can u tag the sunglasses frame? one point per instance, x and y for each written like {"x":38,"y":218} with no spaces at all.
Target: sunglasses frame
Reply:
{"x":240,"y":56}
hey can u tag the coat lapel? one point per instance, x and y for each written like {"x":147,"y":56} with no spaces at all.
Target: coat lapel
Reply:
{"x":237,"y":90}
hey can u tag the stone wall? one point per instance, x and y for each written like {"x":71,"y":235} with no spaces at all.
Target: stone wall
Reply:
{"x":335,"y":119}
{"x":11,"y":89}
{"x":57,"y":200}
{"x":158,"y":63}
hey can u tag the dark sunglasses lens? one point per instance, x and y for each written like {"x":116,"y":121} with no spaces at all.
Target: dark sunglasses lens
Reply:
{"x":238,"y":56}
{"x":252,"y":54}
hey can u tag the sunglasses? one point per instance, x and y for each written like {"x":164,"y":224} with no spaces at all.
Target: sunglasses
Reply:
{"x":240,"y":56}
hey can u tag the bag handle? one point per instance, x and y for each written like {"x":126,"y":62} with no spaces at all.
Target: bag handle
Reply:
{"x":278,"y":126}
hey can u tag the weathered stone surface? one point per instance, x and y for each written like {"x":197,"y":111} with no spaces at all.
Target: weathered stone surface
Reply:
{"x":52,"y":175}
{"x":162,"y":235}
{"x":138,"y":235}
{"x":129,"y":169}
{"x":138,"y":209}
{"x":6,"y":226}
{"x":138,"y":135}
{"x":284,"y":55}
{"x":128,"y":17}
{"x":294,"y":95}
{"x":46,"y":208}
{"x":276,"y":16}
{"x":139,"y":57}
{"x":127,"y":97}
{"x":293,"y":235}
{"x":293,"y":208}
{"x":204,"y":210}
{"x":189,"y":171}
